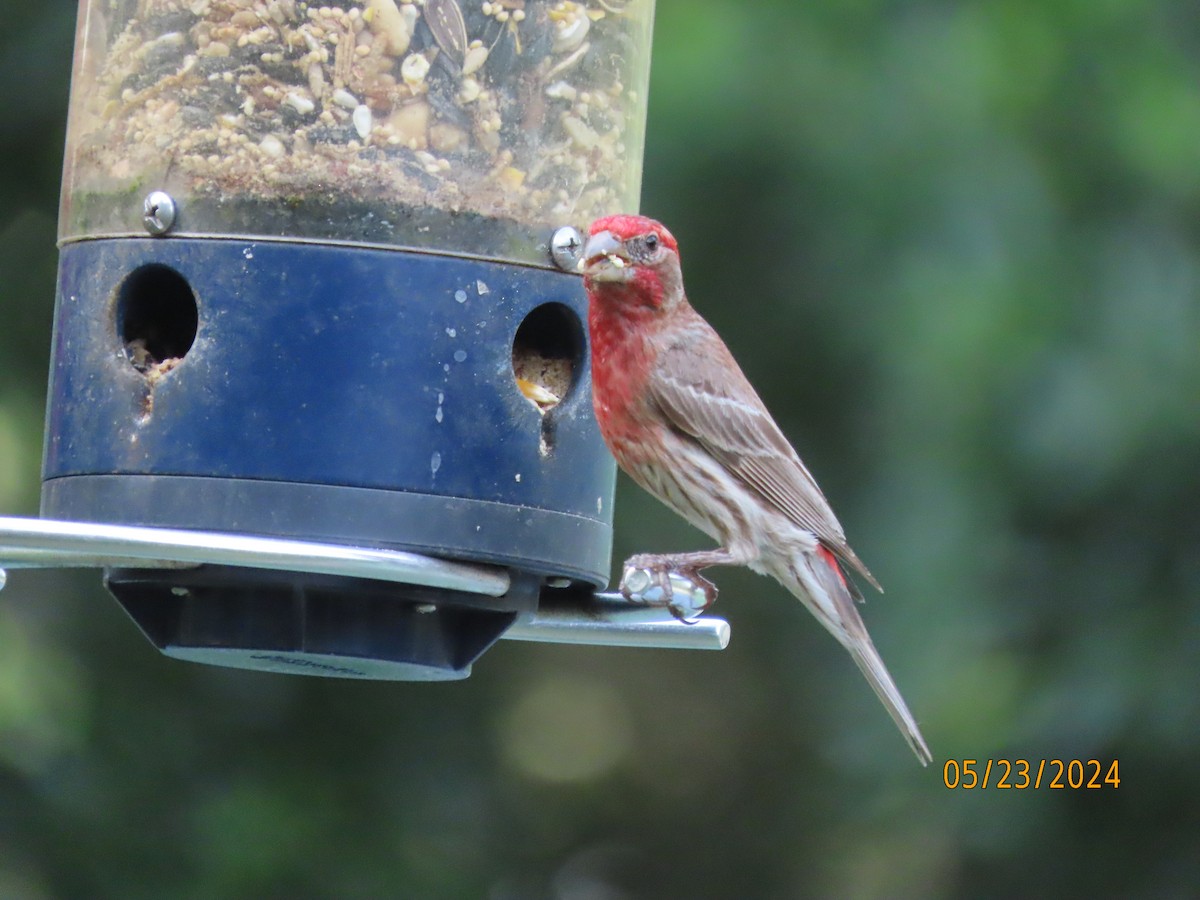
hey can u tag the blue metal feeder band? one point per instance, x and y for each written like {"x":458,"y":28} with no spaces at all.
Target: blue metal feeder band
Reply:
{"x":332,"y":393}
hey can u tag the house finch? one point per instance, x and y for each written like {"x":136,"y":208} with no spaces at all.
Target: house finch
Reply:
{"x":685,"y":423}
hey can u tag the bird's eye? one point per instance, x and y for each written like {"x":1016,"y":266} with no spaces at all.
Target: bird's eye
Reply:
{"x":652,"y":242}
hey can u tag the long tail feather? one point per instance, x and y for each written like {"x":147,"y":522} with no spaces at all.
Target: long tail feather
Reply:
{"x":818,"y":582}
{"x":869,"y":661}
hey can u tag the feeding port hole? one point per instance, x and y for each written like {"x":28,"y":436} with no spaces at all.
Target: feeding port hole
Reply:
{"x":157,"y":318}
{"x":547,"y":354}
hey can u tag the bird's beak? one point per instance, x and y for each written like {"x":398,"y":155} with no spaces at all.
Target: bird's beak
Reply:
{"x":604,"y":258}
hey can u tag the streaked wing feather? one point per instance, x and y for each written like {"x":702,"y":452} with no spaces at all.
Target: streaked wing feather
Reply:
{"x":702,"y":392}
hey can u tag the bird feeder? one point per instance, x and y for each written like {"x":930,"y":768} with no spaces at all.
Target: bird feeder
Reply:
{"x":320,"y":379}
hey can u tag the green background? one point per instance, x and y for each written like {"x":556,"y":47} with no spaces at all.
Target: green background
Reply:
{"x":955,"y":246}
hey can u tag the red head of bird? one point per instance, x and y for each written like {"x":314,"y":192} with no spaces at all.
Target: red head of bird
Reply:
{"x":631,"y":267}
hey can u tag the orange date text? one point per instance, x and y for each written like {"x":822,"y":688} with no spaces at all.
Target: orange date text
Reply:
{"x":1024,"y":774}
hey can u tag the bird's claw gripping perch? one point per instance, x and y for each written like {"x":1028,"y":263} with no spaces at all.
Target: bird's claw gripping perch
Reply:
{"x":685,"y":592}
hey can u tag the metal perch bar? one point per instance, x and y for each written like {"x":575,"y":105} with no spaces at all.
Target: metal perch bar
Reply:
{"x":612,"y":621}
{"x":41,"y":543}
{"x":605,"y":619}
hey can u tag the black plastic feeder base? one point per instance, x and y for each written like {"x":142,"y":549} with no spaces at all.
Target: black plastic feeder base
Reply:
{"x":339,"y":394}
{"x":316,"y":625}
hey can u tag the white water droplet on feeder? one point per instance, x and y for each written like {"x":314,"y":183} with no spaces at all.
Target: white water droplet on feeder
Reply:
{"x":435,"y":462}
{"x":460,"y":296}
{"x":460,"y":355}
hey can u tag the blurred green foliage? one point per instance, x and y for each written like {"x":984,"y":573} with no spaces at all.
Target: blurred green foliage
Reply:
{"x":956,"y":246}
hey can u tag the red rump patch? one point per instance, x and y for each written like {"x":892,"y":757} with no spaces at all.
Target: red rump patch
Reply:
{"x":833,"y":563}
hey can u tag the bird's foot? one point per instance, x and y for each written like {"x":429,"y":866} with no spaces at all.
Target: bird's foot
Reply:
{"x":666,"y":581}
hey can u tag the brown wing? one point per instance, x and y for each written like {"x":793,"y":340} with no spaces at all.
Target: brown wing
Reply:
{"x":702,"y":392}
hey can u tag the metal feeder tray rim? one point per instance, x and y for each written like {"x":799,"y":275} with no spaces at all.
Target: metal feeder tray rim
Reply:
{"x":603,"y":619}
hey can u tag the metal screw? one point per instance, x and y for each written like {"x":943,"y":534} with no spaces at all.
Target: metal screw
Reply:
{"x":566,"y":247}
{"x":158,"y":213}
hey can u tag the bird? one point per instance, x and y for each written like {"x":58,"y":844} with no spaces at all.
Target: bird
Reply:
{"x":681,"y":418}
